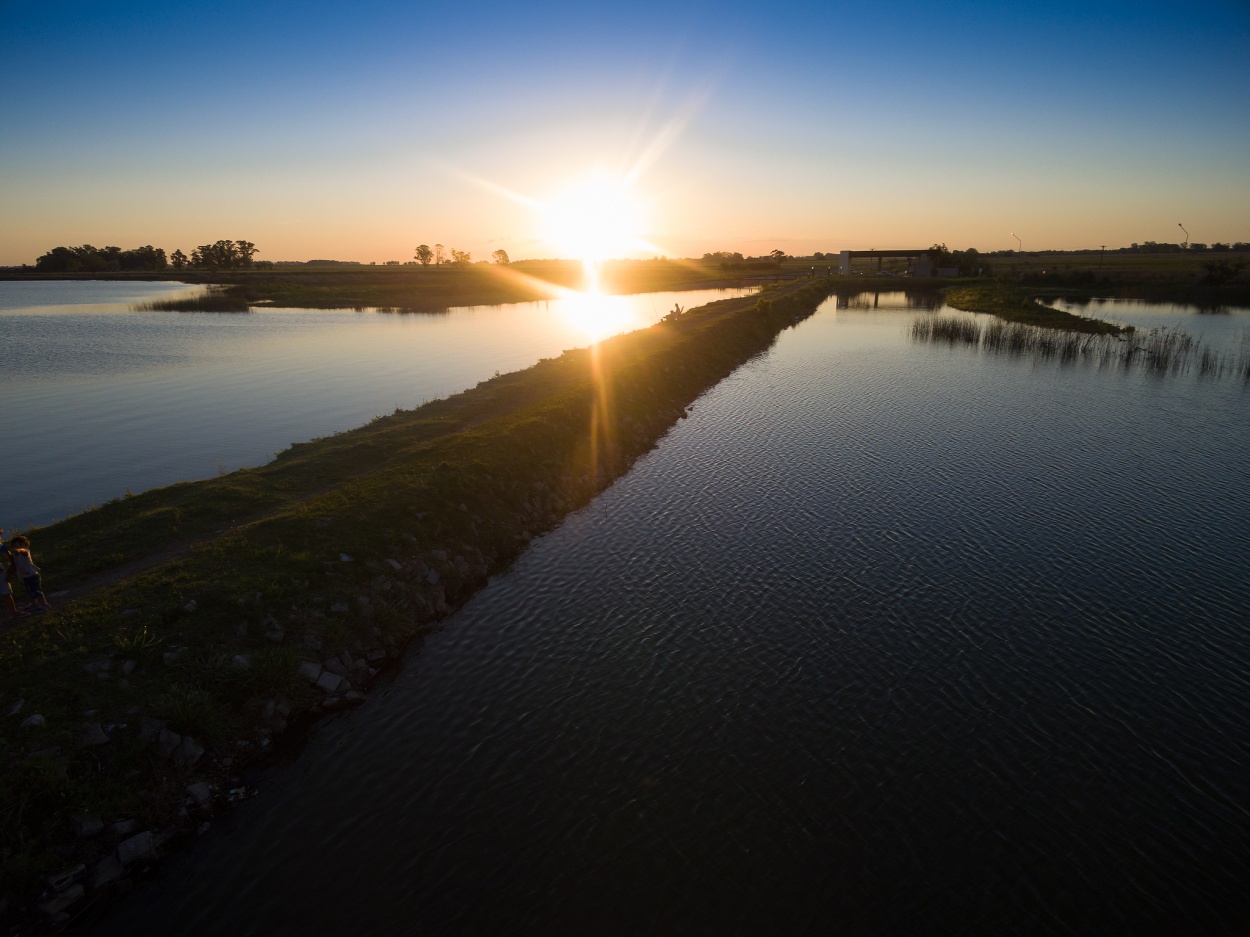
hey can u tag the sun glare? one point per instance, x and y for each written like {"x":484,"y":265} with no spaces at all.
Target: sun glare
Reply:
{"x":595,"y":220}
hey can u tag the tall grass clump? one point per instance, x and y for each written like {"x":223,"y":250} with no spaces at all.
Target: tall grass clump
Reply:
{"x":214,"y":299}
{"x":1157,"y":351}
{"x":946,"y":329}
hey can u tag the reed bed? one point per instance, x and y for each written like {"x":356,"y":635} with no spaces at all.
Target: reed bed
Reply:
{"x":1156,"y":351}
{"x":214,"y":299}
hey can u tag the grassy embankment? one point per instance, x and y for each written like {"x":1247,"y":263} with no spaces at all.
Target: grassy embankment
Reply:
{"x":194,"y":606}
{"x":1009,"y":303}
{"x":422,"y":289}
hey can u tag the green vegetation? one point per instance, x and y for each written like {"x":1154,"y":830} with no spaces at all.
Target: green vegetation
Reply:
{"x":1157,"y":351}
{"x":88,"y":259}
{"x":1011,"y":304}
{"x":193,"y":607}
{"x":214,"y":299}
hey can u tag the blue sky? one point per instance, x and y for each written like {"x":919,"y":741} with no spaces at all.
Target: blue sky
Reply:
{"x":357,"y":131}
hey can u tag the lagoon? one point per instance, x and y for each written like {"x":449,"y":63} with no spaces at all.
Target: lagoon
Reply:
{"x":102,"y":400}
{"x":886,"y":637}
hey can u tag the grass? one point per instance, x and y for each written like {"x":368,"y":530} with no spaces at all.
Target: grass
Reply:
{"x":195,"y":604}
{"x":1009,"y":303}
{"x":1156,"y":351}
{"x":214,"y":299}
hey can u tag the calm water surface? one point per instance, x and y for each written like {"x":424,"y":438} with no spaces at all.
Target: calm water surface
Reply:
{"x":885,"y":638}
{"x":102,"y":400}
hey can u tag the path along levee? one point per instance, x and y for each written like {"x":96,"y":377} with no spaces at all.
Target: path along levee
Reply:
{"x":204,"y":620}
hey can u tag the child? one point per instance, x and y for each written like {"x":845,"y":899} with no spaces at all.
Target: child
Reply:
{"x":21,"y":561}
{"x":6,"y":590}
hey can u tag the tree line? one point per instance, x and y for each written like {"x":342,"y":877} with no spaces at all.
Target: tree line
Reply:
{"x":426,"y":255}
{"x":221,"y":255}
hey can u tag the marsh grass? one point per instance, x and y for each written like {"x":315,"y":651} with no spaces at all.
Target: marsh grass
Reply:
{"x":1160,"y":351}
{"x":214,"y":299}
{"x":1009,"y":303}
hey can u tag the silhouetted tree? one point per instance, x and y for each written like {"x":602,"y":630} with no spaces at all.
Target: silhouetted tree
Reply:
{"x":500,"y":256}
{"x":423,"y":255}
{"x":178,"y":259}
{"x":440,"y":253}
{"x":460,"y":257}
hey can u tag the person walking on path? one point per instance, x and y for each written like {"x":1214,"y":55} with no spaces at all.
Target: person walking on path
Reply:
{"x":24,"y":564}
{"x":6,"y":590}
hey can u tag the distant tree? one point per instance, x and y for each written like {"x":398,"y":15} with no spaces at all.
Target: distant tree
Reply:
{"x":460,"y":257}
{"x":818,"y":256}
{"x":440,"y":253}
{"x":1221,"y":271}
{"x":244,"y":251}
{"x":178,"y":259}
{"x":423,"y":255}
{"x":778,"y":256}
{"x":500,"y":256}
{"x":93,"y":259}
{"x":939,"y":255}
{"x":391,"y":263}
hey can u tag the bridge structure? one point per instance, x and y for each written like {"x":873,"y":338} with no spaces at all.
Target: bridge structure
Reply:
{"x":845,"y":258}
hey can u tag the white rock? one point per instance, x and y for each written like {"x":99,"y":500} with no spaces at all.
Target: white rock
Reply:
{"x":241,"y":661}
{"x":395,"y":565}
{"x":329,"y":682}
{"x":136,"y":848}
{"x":149,"y":728}
{"x":201,"y":791}
{"x":432,"y":577}
{"x":63,"y":880}
{"x":190,"y":606}
{"x":17,"y":707}
{"x":34,"y":722}
{"x":344,"y":558}
{"x":167,"y":742}
{"x":310,"y":671}
{"x":92,"y":735}
{"x":189,"y":752}
{"x":105,"y":871}
{"x":128,"y":667}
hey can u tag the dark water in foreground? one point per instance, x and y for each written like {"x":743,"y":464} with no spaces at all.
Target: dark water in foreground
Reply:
{"x":884,"y":639}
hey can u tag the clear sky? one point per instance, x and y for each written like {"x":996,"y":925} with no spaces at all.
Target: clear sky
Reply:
{"x":356,"y":131}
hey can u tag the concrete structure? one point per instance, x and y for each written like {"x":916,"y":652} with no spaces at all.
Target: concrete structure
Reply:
{"x":917,"y":258}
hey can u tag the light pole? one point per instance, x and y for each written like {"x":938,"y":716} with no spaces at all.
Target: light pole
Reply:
{"x":1018,"y":241}
{"x":1182,"y":227}
{"x":1100,"y":256}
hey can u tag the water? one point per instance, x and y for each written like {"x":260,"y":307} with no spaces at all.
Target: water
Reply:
{"x":1226,"y":328}
{"x":886,"y":638}
{"x":101,"y":400}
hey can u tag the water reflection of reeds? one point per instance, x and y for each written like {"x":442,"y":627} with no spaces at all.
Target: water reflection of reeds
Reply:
{"x":1156,"y":351}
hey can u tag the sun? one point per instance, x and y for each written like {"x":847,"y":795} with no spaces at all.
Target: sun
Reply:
{"x":596,"y":219}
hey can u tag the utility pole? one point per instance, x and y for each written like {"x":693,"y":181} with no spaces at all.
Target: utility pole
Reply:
{"x":1182,"y":227}
{"x":1100,"y":256}
{"x":1018,"y":241}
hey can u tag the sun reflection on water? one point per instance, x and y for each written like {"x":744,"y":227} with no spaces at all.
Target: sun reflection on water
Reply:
{"x":597,"y":315}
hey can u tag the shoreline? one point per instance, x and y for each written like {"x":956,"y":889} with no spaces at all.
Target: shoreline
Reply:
{"x":228,"y":612}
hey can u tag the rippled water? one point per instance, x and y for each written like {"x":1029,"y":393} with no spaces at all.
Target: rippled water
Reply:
{"x":886,"y":638}
{"x":101,"y":400}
